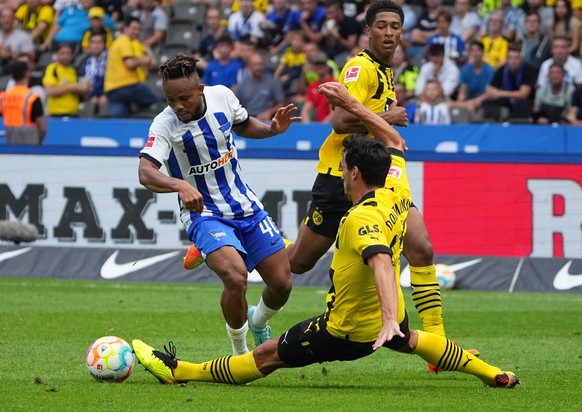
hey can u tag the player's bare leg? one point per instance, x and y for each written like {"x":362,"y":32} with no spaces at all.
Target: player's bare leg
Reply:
{"x":307,"y":249}
{"x":276,"y":273}
{"x":426,"y":292}
{"x":231,"y":269}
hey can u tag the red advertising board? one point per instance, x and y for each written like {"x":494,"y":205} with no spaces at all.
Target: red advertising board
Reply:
{"x":499,"y":209}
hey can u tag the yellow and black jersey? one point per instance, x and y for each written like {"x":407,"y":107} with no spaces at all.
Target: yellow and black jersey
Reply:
{"x":397,"y":179}
{"x":376,"y":224}
{"x":372,"y":84}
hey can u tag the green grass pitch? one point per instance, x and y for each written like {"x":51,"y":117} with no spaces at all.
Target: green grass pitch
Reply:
{"x":46,"y":327}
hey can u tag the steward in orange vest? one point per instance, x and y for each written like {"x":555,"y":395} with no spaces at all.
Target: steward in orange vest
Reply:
{"x":22,"y":110}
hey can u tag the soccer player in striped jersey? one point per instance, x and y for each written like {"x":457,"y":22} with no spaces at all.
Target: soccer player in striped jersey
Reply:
{"x":192,"y":136}
{"x":369,"y":78}
{"x":365,"y":306}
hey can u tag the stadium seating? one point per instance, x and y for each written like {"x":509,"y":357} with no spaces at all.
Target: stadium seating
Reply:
{"x":184,"y":9}
{"x":460,"y":115}
{"x":183,"y":31}
{"x":44,"y":59}
{"x":154,"y":82}
{"x":170,"y":50}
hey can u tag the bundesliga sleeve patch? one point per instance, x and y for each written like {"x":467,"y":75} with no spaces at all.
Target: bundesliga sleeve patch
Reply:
{"x":395,"y":172}
{"x":150,"y":142}
{"x":352,"y":74}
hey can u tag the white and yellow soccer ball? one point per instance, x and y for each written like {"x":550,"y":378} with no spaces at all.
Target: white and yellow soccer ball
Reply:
{"x":110,"y":359}
{"x":445,"y":276}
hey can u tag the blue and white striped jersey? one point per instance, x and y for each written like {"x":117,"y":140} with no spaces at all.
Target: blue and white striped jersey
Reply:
{"x":203,"y":153}
{"x":437,"y":114}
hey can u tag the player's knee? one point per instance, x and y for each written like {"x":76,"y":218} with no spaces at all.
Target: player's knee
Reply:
{"x":281,"y":287}
{"x":267,"y":358}
{"x":419,"y":253}
{"x":300,"y":266}
{"x":426,"y":250}
{"x":234,"y":280}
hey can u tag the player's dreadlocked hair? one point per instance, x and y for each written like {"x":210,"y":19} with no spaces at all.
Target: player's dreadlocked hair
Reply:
{"x":379,"y":6}
{"x":179,"y":67}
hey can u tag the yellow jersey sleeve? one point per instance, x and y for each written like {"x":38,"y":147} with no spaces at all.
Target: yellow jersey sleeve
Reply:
{"x":397,"y":178}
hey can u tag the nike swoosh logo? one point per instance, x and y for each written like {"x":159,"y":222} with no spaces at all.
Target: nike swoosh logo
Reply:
{"x":405,"y":273}
{"x":112,"y":270}
{"x":14,"y":253}
{"x":565,"y":280}
{"x":458,"y":266}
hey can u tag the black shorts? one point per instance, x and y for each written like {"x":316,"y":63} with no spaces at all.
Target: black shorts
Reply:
{"x":328,"y":205}
{"x":309,"y":342}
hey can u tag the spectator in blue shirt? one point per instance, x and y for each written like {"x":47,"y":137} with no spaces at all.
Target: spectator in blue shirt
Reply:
{"x":214,"y":30}
{"x":72,"y":24}
{"x":93,"y":71}
{"x":425,"y":28}
{"x":454,"y":45}
{"x":223,"y":69}
{"x":476,"y":75}
{"x":277,"y":16}
{"x":308,"y":18}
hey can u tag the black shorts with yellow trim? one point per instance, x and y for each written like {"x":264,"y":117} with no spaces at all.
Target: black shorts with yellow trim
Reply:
{"x":329,"y":204}
{"x":309,"y":342}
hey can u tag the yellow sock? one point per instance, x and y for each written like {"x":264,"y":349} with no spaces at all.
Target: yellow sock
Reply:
{"x":234,"y":370}
{"x":426,"y":295}
{"x":444,"y":354}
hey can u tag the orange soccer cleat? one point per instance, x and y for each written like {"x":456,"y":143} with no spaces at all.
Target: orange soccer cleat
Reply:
{"x":193,"y":258}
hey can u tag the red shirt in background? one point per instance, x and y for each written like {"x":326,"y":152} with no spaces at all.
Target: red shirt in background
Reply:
{"x":319,"y":101}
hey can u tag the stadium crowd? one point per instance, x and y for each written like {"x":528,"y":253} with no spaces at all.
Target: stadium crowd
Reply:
{"x":499,"y":60}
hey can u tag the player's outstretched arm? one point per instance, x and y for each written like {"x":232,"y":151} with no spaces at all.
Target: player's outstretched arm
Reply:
{"x":344,"y":122}
{"x":255,"y":129}
{"x":381,"y":265}
{"x":338,"y":96}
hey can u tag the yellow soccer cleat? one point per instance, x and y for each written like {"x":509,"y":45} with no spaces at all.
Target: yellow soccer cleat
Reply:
{"x":159,"y":364}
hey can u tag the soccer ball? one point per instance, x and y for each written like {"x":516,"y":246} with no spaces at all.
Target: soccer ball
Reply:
{"x":110,"y":359}
{"x":445,"y":276}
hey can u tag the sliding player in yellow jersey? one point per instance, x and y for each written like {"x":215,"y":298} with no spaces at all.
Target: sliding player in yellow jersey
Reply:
{"x":369,"y":78}
{"x":365,"y":307}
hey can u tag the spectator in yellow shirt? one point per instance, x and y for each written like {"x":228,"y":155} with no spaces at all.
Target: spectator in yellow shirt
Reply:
{"x":125,"y":75}
{"x":495,"y":44}
{"x":62,"y":85}
{"x":291,"y":64}
{"x":36,"y":18}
